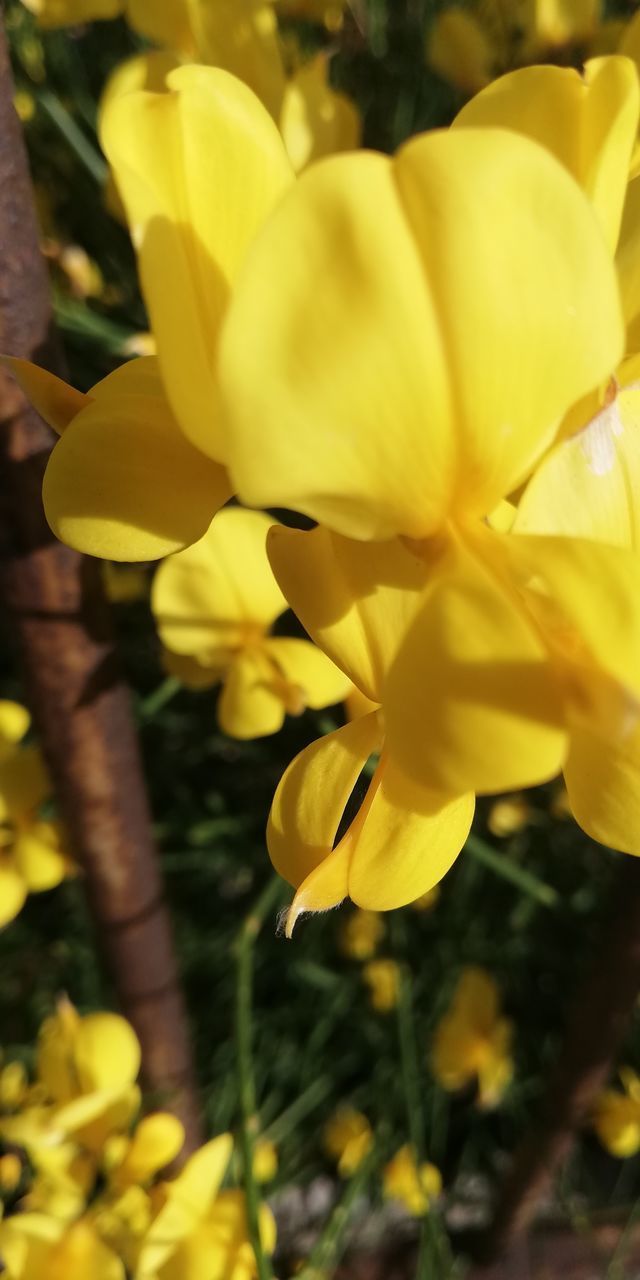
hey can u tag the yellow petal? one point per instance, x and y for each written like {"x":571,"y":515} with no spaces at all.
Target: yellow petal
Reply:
{"x":472,"y":703}
{"x":220,"y":592}
{"x":374,"y":375}
{"x":251,"y":704}
{"x":312,"y":796}
{"x":409,"y":839}
{"x":356,"y":601}
{"x":172,"y":154}
{"x":167,"y":22}
{"x":628,"y":264}
{"x":39,"y":855}
{"x":459,"y":50}
{"x":24,"y":784}
{"x":319,"y":682}
{"x":589,"y":121}
{"x":156,"y":1142}
{"x":124,"y":483}
{"x":558,"y":22}
{"x":242,"y":37}
{"x":53,"y":399}
{"x":603,"y":784}
{"x":587,"y":485}
{"x":106,"y":1052}
{"x":65,"y":13}
{"x":189,"y":1198}
{"x":315,"y":119}
{"x":146,"y":71}
{"x":13,"y":890}
{"x":56,"y":1042}
{"x":15,"y":721}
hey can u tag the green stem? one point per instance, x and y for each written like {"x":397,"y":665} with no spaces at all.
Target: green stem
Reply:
{"x":159,"y":699}
{"x":328,"y":1247}
{"x":509,"y":870}
{"x":244,"y":1052}
{"x":66,"y":125}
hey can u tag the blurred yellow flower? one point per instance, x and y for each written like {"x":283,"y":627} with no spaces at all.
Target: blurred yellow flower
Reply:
{"x":415,"y":1186}
{"x":472,"y":1041}
{"x":509,"y":815}
{"x":216,"y":603}
{"x":38,"y":1247}
{"x":24,"y":104}
{"x":382,"y":977}
{"x":348,"y":1139}
{"x":427,"y":901}
{"x":62,"y":13}
{"x":361,"y":933}
{"x":32,"y":855}
{"x":265,"y":1160}
{"x":616,"y":1116}
{"x":11,"y":1169}
{"x":82,"y":273}
{"x":125,"y":585}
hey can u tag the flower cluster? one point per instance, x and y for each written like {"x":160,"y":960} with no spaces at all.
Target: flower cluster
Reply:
{"x":81,"y":1174}
{"x":432,"y":357}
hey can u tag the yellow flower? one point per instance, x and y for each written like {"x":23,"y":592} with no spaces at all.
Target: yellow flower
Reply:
{"x":82,"y":273}
{"x":198,"y":1229}
{"x":508,"y":816}
{"x":10,"y":1173}
{"x":37,"y":1247}
{"x":426,"y":401}
{"x":32,"y":857}
{"x":360,"y":934}
{"x":427,"y":901}
{"x":265,"y":1160}
{"x":157,"y":1140}
{"x":215,"y":603}
{"x":415,"y":1186}
{"x":125,"y":586}
{"x":472,"y":1041}
{"x":616,"y":1116}
{"x":382,"y":977}
{"x":348,"y":1139}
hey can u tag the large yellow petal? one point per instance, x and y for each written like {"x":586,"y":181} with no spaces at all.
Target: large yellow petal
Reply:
{"x":357,"y":601}
{"x":316,"y":679}
{"x":106,"y":1052}
{"x":472,"y":702}
{"x":312,"y":796}
{"x":51,"y":397}
{"x":410,"y":837}
{"x":13,"y":890}
{"x":376,"y":374}
{"x":242,"y":37}
{"x":173,"y":155}
{"x":589,"y":121}
{"x":123,"y":482}
{"x":220,"y":592}
{"x":253,"y":701}
{"x":588,"y":485}
{"x":315,"y":119}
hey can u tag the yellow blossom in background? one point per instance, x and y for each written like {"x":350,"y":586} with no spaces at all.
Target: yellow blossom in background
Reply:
{"x":348,"y":1139}
{"x":125,"y":585}
{"x":82,"y":273}
{"x":361,"y":934}
{"x":472,"y":1041}
{"x":62,"y":13}
{"x":427,"y":901}
{"x":415,"y":1186}
{"x":508,"y":816}
{"x":24,"y":104}
{"x":140,"y":344}
{"x":382,"y":977}
{"x":38,"y":1247}
{"x":215,"y":603}
{"x":265,"y":1160}
{"x":616,"y":1116}
{"x":32,"y":853}
{"x":11,"y":1169}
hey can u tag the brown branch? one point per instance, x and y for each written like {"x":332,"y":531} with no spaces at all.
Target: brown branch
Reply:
{"x":81,"y":707}
{"x":600,"y":1016}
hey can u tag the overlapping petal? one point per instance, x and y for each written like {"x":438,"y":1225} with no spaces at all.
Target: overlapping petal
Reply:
{"x":251,"y":704}
{"x":308,"y":671}
{"x":373,"y":375}
{"x":356,"y":601}
{"x":242,"y":37}
{"x":603,"y":784}
{"x":211,"y":598}
{"x":198,"y":169}
{"x":145,"y":491}
{"x":589,"y":121}
{"x":316,"y":120}
{"x":51,"y":397}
